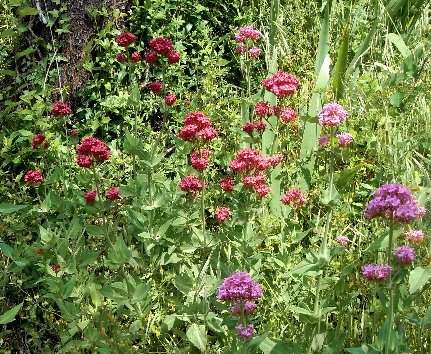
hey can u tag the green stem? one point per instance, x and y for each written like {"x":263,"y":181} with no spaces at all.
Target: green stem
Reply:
{"x":391,"y":289}
{"x":203,"y":212}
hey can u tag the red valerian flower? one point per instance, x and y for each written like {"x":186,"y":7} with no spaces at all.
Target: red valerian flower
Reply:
{"x":281,"y":84}
{"x":55,"y":267}
{"x":170,"y":99}
{"x":173,"y":57}
{"x":90,"y":196}
{"x":113,"y":193}
{"x":200,"y":159}
{"x":33,"y":177}
{"x":74,"y":132}
{"x":38,"y":140}
{"x":60,"y":108}
{"x":227,"y":184}
{"x":197,"y":125}
{"x":125,"y":39}
{"x":84,"y":161}
{"x":191,"y":184}
{"x":151,"y":57}
{"x":222,"y":214}
{"x":295,"y":197}
{"x":121,"y":58}
{"x":39,"y":251}
{"x":156,"y":86}
{"x":161,"y":45}
{"x":136,"y":56}
{"x":90,"y":149}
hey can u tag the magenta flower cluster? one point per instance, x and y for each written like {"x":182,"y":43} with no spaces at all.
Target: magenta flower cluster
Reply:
{"x":245,"y":37}
{"x":405,"y":254}
{"x":393,"y":202}
{"x":376,"y":272}
{"x":241,"y":290}
{"x":332,"y":115}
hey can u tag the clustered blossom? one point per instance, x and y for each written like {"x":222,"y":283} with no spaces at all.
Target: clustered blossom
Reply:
{"x":344,"y":139}
{"x":247,"y":32}
{"x":245,"y":332}
{"x":121,"y":58}
{"x":90,"y":196}
{"x":405,"y":254}
{"x":197,"y":125}
{"x":241,"y":290}
{"x":161,"y":46}
{"x":222,"y":214}
{"x":376,"y":272}
{"x":125,"y":39}
{"x":263,"y":109}
{"x":33,"y":177}
{"x":259,"y":126}
{"x":191,"y":184}
{"x":200,"y":159}
{"x":249,"y":160}
{"x":332,"y":115}
{"x":136,"y":56}
{"x":241,"y":48}
{"x":91,"y":149}
{"x":286,"y":114}
{"x":60,"y":108}
{"x":170,"y":99}
{"x":324,"y":140}
{"x":74,"y":132}
{"x":156,"y":87}
{"x":227,"y":184}
{"x":281,"y":84}
{"x":38,"y":139}
{"x":254,"y":52}
{"x":55,"y":267}
{"x":295,"y":197}
{"x":415,"y":236}
{"x":394,"y":202}
{"x":342,"y":240}
{"x":113,"y":193}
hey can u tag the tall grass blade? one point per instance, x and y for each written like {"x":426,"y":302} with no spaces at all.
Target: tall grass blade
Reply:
{"x":341,"y":64}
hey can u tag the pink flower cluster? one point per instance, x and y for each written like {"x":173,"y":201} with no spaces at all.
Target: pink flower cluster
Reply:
{"x":222,"y":214}
{"x":113,"y":193}
{"x":259,"y":126}
{"x":295,"y":197}
{"x":342,"y":240}
{"x":344,"y":139}
{"x":415,"y":236}
{"x":376,"y":272}
{"x":281,"y":84}
{"x":405,"y":254}
{"x":227,"y":184}
{"x":244,"y":37}
{"x":170,"y":99}
{"x":200,"y":159}
{"x":332,"y":115}
{"x":38,"y":140}
{"x":60,"y":108}
{"x":90,"y":196}
{"x":91,"y":149}
{"x":161,"y":46}
{"x":125,"y":39}
{"x":33,"y":177}
{"x":191,"y":184}
{"x":241,"y":290}
{"x":264,"y":110}
{"x":197,"y":125}
{"x":156,"y":87}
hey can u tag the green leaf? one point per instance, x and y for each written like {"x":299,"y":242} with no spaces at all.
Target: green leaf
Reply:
{"x":7,"y":208}
{"x":25,"y":53}
{"x":6,"y":250}
{"x":398,"y":42}
{"x":28,"y":11}
{"x":341,"y":64}
{"x":197,"y":335}
{"x":418,"y":278}
{"x":9,"y":316}
{"x":273,"y":346}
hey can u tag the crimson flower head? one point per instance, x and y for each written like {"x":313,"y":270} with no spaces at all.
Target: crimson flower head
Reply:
{"x":281,"y":84}
{"x":55,"y":267}
{"x":60,"y":108}
{"x":170,"y":99}
{"x":227,"y":184}
{"x":125,"y":39}
{"x":191,"y":184}
{"x":200,"y":159}
{"x":74,"y":132}
{"x":33,"y":177}
{"x":113,"y":193}
{"x":161,"y":45}
{"x":91,"y":149}
{"x":197,"y":125}
{"x":263,"y":109}
{"x":156,"y":86}
{"x":39,"y":250}
{"x":121,"y":58}
{"x":90,"y":196}
{"x":295,"y":197}
{"x":136,"y":56}
{"x":173,"y":57}
{"x":151,"y":57}
{"x":38,"y":140}
{"x":239,"y":287}
{"x":287,"y":114}
{"x":222,"y":214}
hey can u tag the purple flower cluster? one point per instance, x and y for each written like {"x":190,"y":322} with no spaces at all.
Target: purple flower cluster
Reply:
{"x":242,"y":291}
{"x":376,"y":272}
{"x":239,"y":286}
{"x":394,"y":202}
{"x":332,"y":114}
{"x":405,"y":254}
{"x":415,"y":236}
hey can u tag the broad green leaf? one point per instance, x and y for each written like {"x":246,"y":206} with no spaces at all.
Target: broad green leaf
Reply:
{"x":6,"y":250}
{"x":341,"y":64}
{"x":9,"y":316}
{"x":398,"y":42}
{"x":418,"y":278}
{"x":197,"y":335}
{"x":28,"y":11}
{"x":273,"y":346}
{"x":7,"y":208}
